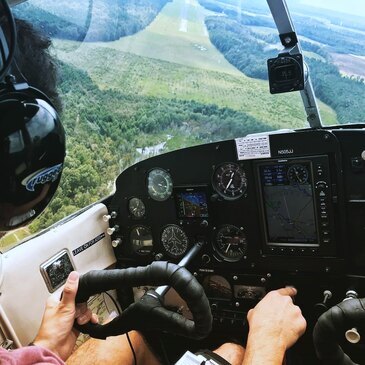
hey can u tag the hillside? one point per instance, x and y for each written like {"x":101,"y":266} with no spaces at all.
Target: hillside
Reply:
{"x":148,"y":77}
{"x":166,"y":82}
{"x":76,"y":20}
{"x":174,"y":58}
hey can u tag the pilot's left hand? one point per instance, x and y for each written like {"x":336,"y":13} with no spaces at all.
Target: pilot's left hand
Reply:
{"x":56,"y":332}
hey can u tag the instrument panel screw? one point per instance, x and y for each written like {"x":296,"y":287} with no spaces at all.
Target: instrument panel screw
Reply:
{"x":263,"y":280}
{"x":235,"y":277}
{"x":287,"y":40}
{"x":268,"y":275}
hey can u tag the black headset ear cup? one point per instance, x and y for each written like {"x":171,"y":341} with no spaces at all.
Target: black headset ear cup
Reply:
{"x":32,"y":152}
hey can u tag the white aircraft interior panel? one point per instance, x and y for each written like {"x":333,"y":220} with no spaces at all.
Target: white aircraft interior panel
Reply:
{"x":82,"y":241}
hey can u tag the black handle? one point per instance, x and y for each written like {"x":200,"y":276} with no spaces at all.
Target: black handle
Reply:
{"x":330,"y":328}
{"x":148,"y":312}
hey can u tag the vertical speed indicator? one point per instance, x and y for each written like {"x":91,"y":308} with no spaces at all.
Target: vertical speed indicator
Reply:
{"x":230,"y":243}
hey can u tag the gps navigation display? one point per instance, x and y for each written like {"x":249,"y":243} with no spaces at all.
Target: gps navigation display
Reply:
{"x":288,"y":203}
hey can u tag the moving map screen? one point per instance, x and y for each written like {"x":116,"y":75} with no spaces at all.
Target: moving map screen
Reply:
{"x":192,"y":204}
{"x":288,"y":202}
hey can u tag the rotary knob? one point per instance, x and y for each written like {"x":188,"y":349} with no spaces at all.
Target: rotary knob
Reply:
{"x":112,"y":230}
{"x":108,"y":217}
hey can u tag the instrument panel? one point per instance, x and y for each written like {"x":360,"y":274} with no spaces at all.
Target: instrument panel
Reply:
{"x":281,"y":209}
{"x":249,"y":211}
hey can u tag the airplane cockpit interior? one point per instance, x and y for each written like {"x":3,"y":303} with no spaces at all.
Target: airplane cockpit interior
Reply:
{"x":222,"y":142}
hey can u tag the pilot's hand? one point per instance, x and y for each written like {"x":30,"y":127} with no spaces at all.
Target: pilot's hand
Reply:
{"x":275,"y":325}
{"x":56,"y":332}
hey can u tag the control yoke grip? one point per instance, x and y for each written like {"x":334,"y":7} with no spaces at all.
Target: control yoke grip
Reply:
{"x":331,"y":327}
{"x":148,"y":312}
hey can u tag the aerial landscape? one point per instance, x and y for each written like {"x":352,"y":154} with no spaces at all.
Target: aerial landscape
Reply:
{"x":140,"y":77}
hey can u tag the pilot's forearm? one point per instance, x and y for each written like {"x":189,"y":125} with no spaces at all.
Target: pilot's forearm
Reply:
{"x":263,"y":350}
{"x":113,"y":350}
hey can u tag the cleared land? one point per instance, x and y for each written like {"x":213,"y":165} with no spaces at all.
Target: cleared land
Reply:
{"x":350,"y":65}
{"x":13,"y":237}
{"x":164,"y":61}
{"x":177,"y":35}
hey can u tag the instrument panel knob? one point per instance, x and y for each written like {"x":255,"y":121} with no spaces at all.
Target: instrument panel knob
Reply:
{"x":112,"y":230}
{"x":117,"y":242}
{"x":159,"y":257}
{"x":108,"y":217}
{"x":205,"y":259}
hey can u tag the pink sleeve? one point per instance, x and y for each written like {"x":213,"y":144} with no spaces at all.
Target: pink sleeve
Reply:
{"x":31,"y":355}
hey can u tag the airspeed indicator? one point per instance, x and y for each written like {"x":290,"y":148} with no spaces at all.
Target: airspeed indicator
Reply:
{"x":229,"y":181}
{"x":159,"y":184}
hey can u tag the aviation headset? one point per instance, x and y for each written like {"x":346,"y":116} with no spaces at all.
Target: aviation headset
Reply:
{"x":32,"y":139}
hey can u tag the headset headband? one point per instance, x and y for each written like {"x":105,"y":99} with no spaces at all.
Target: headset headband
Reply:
{"x":7,"y":50}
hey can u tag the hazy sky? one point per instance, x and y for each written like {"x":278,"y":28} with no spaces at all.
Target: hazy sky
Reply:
{"x":356,"y":7}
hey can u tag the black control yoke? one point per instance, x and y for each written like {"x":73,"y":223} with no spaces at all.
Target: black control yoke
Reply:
{"x":149,"y":313}
{"x":331,"y":328}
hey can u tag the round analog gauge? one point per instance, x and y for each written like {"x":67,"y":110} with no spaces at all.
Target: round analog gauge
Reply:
{"x":174,"y":240}
{"x":136,"y":208}
{"x":141,"y":240}
{"x":298,"y":174}
{"x":159,"y":184}
{"x":229,"y":181}
{"x":230,"y":243}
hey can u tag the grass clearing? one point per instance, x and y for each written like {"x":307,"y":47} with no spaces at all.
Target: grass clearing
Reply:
{"x":164,"y":61}
{"x":150,"y":77}
{"x":11,"y":238}
{"x":177,"y":35}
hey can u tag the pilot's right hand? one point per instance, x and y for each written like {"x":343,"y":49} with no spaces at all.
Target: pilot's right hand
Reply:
{"x":275,"y":325}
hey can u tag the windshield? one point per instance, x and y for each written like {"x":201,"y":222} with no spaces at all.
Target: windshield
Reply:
{"x":143,"y":77}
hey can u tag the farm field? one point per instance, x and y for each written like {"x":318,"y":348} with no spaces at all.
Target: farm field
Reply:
{"x":350,"y":64}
